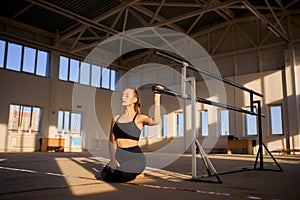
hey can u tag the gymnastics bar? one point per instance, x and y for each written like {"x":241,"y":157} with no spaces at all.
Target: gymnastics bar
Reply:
{"x":207,"y":73}
{"x":201,"y":100}
{"x":209,"y":166}
{"x":259,"y":114}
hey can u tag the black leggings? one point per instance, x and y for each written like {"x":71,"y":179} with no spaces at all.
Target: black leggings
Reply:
{"x":132,"y":163}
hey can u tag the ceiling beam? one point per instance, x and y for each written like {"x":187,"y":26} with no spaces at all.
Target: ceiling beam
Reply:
{"x":22,"y":11}
{"x":197,"y":12}
{"x":194,"y":24}
{"x":157,"y":11}
{"x":125,"y":19}
{"x":221,"y":39}
{"x":291,"y":3}
{"x":139,"y":18}
{"x":71,"y":15}
{"x":276,"y":19}
{"x":265,"y":21}
{"x":168,"y":4}
{"x":159,"y":18}
{"x":100,"y":18}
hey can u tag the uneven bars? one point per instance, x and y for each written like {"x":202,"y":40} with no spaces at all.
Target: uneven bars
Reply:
{"x":201,"y":100}
{"x":207,"y":73}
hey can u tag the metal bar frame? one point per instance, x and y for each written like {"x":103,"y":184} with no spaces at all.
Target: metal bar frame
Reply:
{"x":194,"y":99}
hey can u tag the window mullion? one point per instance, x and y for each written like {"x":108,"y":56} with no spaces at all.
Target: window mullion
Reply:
{"x":30,"y":120}
{"x":63,"y":122}
{"x":101,"y":77}
{"x":109,"y":86}
{"x":90,"y":81}
{"x":5,"y":54}
{"x":22,"y":57}
{"x":68,"y":68}
{"x":36,"y":61}
{"x":21,"y":117}
{"x":70,"y":116}
{"x":79,"y":71}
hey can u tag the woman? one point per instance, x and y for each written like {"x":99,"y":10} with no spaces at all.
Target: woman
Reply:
{"x":127,"y":161}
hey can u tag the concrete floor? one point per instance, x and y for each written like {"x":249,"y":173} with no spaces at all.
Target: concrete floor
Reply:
{"x":71,"y":176}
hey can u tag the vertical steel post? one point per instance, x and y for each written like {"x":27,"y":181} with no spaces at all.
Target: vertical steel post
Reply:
{"x":251,"y":102}
{"x":194,"y":130}
{"x":260,"y":134}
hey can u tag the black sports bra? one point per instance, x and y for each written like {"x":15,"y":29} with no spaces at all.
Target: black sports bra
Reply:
{"x":127,"y":130}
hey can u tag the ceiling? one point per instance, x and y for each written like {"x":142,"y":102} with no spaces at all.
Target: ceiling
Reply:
{"x":83,"y":24}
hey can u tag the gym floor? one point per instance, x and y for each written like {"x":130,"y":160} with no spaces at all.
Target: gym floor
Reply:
{"x":57,"y":175}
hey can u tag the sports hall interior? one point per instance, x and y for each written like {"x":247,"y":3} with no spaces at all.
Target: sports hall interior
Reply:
{"x":63,"y":65}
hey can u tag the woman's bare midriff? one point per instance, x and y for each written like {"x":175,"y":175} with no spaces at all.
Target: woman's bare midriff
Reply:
{"x":126,"y":143}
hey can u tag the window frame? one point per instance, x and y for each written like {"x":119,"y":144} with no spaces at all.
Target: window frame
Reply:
{"x":246,"y":122}
{"x":144,"y":132}
{"x":178,"y":132}
{"x":5,"y":46}
{"x":112,"y":74}
{"x":164,"y":124}
{"x":22,"y":58}
{"x":20,"y":120}
{"x":68,"y":130}
{"x":221,"y":122}
{"x":270,"y":119}
{"x":200,"y":123}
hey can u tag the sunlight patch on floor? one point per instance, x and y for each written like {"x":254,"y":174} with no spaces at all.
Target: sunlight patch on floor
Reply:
{"x":74,"y":167}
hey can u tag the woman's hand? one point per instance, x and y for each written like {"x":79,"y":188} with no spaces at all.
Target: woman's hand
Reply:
{"x":157,"y":94}
{"x":154,"y":88}
{"x":113,"y":164}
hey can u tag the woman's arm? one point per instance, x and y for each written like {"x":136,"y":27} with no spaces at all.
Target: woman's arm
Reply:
{"x":113,"y":163}
{"x":156,"y":115}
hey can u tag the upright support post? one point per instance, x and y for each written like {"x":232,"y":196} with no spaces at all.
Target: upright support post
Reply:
{"x":261,"y":158}
{"x":251,"y":102}
{"x":183,"y":80}
{"x":195,"y":143}
{"x":260,"y":142}
{"x":192,"y":81}
{"x":194,"y":120}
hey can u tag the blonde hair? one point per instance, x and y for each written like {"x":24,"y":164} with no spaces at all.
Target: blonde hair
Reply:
{"x":137,"y":104}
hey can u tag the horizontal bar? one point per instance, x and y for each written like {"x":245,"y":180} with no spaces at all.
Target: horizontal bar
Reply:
{"x":208,"y":74}
{"x":201,"y":100}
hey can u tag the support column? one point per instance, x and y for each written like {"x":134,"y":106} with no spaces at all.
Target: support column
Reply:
{"x":53,"y":75}
{"x":291,"y":100}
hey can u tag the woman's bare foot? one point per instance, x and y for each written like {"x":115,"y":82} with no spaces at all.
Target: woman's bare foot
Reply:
{"x":140,"y":176}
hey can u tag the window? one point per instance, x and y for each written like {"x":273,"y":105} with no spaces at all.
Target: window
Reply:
{"x":24,"y":119}
{"x":180,"y":124}
{"x":42,"y":63}
{"x":145,"y":131}
{"x":276,"y":119}
{"x":85,"y":69}
{"x":224,"y":122}
{"x":14,"y":57}
{"x":23,"y":58}
{"x":105,"y":78}
{"x":96,"y":72}
{"x":113,"y":79}
{"x":75,"y":123}
{"x":69,"y":122}
{"x":29,"y":60}
{"x":251,"y":123}
{"x":203,"y":123}
{"x":2,"y":53}
{"x":86,"y":73}
{"x":74,"y":70}
{"x":63,"y":68}
{"x":164,"y":131}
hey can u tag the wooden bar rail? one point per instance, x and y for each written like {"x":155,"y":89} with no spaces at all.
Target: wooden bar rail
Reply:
{"x":240,"y":144}
{"x":52,"y":144}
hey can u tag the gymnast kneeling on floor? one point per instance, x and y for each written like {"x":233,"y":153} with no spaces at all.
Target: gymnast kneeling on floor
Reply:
{"x":127,"y":161}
